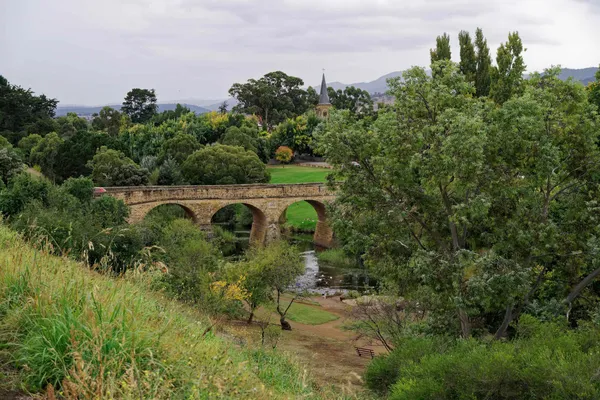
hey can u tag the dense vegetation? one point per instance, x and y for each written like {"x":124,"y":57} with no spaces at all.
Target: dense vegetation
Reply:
{"x":479,"y":213}
{"x":92,"y":336}
{"x":473,"y":199}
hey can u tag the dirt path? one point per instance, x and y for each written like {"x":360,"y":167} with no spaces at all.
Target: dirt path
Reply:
{"x":328,"y":349}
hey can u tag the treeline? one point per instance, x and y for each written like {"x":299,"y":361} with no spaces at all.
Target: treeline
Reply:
{"x":474,"y":199}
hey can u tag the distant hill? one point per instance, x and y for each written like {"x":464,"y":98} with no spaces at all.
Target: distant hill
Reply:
{"x":379,"y":85}
{"x":87,"y":111}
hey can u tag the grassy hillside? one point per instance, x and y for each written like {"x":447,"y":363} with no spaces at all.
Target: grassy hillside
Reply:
{"x":300,"y":215}
{"x":92,"y":336}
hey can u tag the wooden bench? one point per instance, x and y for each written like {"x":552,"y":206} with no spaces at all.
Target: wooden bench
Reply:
{"x":362,"y":351}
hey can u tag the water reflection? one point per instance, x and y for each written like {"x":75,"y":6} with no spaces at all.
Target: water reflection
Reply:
{"x":319,"y":277}
{"x":322,"y":278}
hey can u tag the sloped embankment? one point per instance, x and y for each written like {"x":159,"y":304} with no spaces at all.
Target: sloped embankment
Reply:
{"x":92,"y":336}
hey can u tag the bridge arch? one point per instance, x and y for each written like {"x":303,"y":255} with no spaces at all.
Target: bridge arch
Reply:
{"x":323,"y":235}
{"x":138,"y":212}
{"x":189,"y":213}
{"x":259,"y":221}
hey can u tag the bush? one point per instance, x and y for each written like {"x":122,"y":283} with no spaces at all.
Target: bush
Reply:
{"x":338,"y":258}
{"x":222,"y":165}
{"x":545,"y":361}
{"x":284,"y":154}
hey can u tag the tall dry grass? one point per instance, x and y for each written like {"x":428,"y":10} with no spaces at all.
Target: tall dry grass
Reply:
{"x":78,"y":334}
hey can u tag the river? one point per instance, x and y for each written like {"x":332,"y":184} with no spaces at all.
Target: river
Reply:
{"x":320,"y":277}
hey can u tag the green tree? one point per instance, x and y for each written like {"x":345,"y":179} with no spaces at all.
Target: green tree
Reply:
{"x":21,"y":111}
{"x":442,"y":49}
{"x":109,"y":120}
{"x":221,"y":164}
{"x":28,"y":143}
{"x":223,"y":107}
{"x":470,"y":209}
{"x":178,"y":148}
{"x":507,"y":76}
{"x":468,"y":58}
{"x":22,"y":189}
{"x":269,"y":272}
{"x":75,"y":152}
{"x":70,"y":124}
{"x":140,"y":105}
{"x":80,"y":188}
{"x":273,"y":98}
{"x":594,"y":90}
{"x":10,"y":164}
{"x":483,"y":78}
{"x":166,"y":115}
{"x":169,"y":173}
{"x":244,"y":137}
{"x":45,"y":154}
{"x":297,"y":133}
{"x":356,"y":100}
{"x":190,"y":260}
{"x":112,"y":168}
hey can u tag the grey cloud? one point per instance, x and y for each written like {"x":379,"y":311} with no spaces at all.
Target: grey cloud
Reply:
{"x":92,"y":51}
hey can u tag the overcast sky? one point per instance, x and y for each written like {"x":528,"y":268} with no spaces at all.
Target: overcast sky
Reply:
{"x":93,"y":51}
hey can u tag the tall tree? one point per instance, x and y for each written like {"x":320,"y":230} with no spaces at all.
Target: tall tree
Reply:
{"x":468,"y":58}
{"x":470,"y":208}
{"x":224,"y":165}
{"x":140,"y":105}
{"x":273,"y":98}
{"x":109,"y":120}
{"x":21,"y":110}
{"x":45,"y":154}
{"x":442,"y":49}
{"x":356,"y":100}
{"x":112,"y":168}
{"x":507,"y":75}
{"x":594,"y":90}
{"x":484,"y":65}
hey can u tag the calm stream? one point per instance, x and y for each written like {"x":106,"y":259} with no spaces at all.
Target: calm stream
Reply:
{"x":320,"y":277}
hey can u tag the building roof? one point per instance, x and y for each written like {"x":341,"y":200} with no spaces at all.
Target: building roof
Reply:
{"x":324,"y":96}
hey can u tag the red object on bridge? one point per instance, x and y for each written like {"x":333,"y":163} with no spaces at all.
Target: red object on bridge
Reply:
{"x":99,"y":190}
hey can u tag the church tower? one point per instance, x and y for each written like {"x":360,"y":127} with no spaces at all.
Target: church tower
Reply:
{"x":324,"y":104}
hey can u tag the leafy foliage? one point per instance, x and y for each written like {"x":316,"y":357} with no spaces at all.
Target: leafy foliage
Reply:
{"x":45,"y":154}
{"x":273,"y":98}
{"x":112,"y":168}
{"x":140,"y":105}
{"x":220,"y":165}
{"x":464,"y":206}
{"x":284,"y":154}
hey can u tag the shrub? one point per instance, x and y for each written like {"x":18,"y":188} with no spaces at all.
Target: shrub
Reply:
{"x":284,"y":154}
{"x":545,"y":361}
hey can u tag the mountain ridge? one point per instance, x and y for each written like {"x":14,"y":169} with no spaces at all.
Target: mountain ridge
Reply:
{"x":379,"y":85}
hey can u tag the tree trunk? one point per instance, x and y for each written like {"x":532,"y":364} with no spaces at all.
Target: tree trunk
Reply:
{"x":465,"y":323}
{"x":284,"y":324}
{"x":251,"y":317}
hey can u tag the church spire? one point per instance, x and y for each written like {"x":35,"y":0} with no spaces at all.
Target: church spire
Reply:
{"x":324,"y":96}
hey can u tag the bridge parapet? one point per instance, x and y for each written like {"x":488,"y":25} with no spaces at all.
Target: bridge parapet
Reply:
{"x":144,"y":194}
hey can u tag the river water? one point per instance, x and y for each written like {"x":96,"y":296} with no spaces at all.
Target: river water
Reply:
{"x":321,"y":277}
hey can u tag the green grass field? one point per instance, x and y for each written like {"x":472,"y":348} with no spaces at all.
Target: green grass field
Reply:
{"x":299,"y":215}
{"x":308,"y":315}
{"x":295,"y":174}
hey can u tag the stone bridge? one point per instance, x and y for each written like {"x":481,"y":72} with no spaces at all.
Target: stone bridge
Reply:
{"x":268,"y":203}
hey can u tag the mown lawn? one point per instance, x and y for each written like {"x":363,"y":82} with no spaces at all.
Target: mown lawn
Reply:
{"x":305,"y":314}
{"x":295,"y":174}
{"x":299,"y":215}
